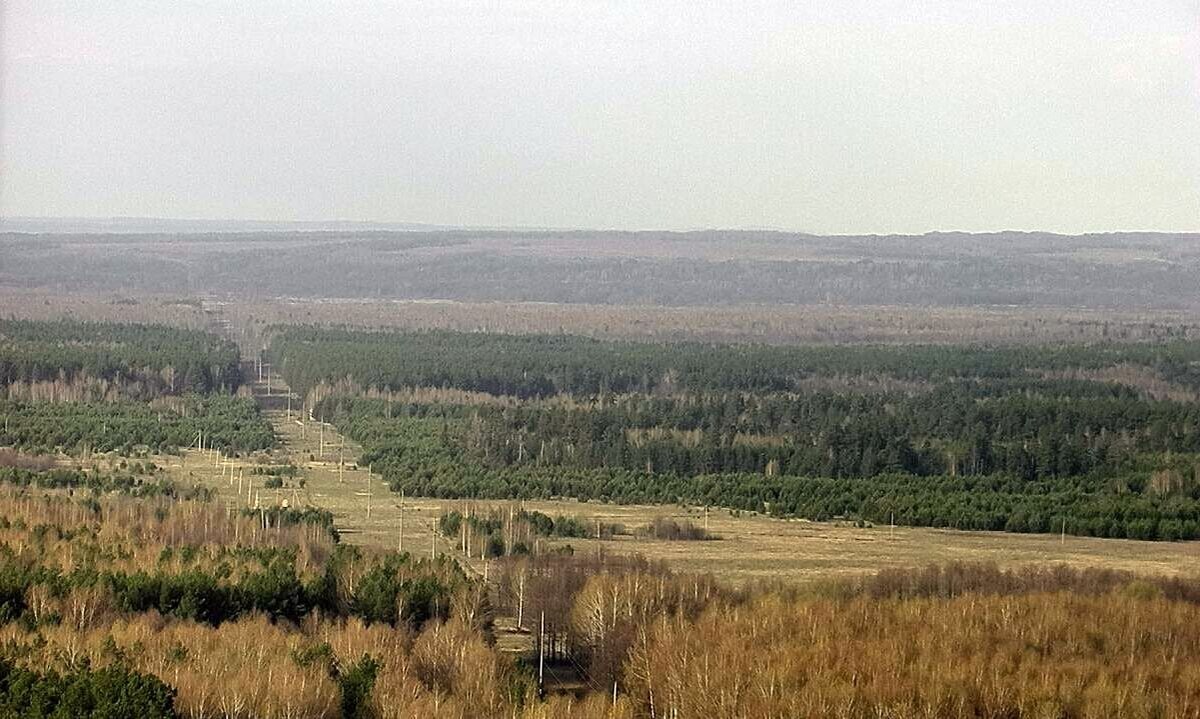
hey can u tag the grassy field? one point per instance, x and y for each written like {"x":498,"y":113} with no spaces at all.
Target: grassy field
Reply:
{"x":751,"y":548}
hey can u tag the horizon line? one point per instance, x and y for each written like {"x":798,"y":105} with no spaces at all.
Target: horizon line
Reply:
{"x":419,"y":226}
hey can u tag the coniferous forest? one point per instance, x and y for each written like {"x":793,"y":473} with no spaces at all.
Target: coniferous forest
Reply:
{"x":147,"y":360}
{"x":72,"y":386}
{"x":1097,"y":440}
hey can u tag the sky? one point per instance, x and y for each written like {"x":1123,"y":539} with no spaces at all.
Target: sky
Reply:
{"x":845,"y":116}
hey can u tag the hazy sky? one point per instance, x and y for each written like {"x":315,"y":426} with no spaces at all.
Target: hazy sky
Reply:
{"x":833,"y":116}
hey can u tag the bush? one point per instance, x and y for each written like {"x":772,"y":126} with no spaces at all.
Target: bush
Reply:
{"x":107,"y":693}
{"x":685,"y":531}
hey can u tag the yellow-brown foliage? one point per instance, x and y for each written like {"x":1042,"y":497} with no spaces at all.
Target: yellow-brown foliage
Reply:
{"x":1039,"y":655}
{"x":56,"y":530}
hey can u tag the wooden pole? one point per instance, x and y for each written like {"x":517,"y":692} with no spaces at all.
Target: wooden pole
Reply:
{"x":521,"y":600}
{"x":542,"y":653}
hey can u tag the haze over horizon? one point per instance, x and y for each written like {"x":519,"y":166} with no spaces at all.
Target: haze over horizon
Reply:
{"x":870,"y":117}
{"x":130,"y":224}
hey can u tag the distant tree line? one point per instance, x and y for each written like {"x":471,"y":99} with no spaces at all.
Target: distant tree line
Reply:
{"x":162,"y":360}
{"x":232,"y":424}
{"x":1044,"y":429}
{"x":645,"y":268}
{"x":1084,"y":505}
{"x":1016,"y":439}
{"x":529,"y":366}
{"x":1121,"y":495}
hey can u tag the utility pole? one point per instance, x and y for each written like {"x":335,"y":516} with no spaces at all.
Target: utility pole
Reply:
{"x":400,"y":545}
{"x":521,"y":600}
{"x":542,"y":654}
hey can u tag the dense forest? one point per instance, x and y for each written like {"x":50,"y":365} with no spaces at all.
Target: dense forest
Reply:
{"x":112,"y":691}
{"x":77,"y":387}
{"x":529,"y":366}
{"x":1100,"y":440}
{"x":149,"y":590}
{"x":421,"y":457}
{"x":232,"y":424}
{"x":115,"y":606}
{"x":132,"y":360}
